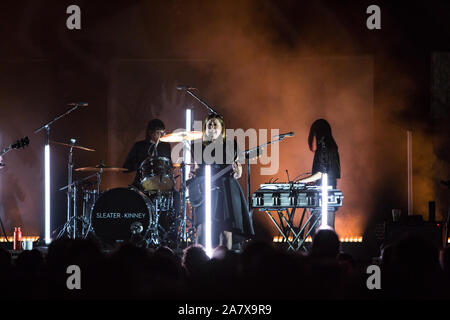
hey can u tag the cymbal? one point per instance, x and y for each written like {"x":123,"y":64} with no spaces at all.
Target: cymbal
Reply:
{"x":75,"y":146}
{"x":178,"y":165}
{"x":182,"y":136}
{"x":102,"y":168}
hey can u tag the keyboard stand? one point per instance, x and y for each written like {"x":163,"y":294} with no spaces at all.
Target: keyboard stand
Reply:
{"x":292,"y":235}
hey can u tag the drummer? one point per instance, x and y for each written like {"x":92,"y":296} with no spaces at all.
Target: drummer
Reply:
{"x":151,"y":146}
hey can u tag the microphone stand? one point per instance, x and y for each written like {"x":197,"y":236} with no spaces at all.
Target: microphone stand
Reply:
{"x":47,"y":145}
{"x":203,"y":103}
{"x":47,"y":125}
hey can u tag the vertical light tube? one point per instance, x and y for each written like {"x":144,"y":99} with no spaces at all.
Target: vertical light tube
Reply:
{"x":186,"y":153}
{"x":208,"y":242}
{"x":324,"y":200}
{"x":47,"y":194}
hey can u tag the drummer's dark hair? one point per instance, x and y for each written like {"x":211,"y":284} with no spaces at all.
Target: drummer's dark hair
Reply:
{"x":218,"y":117}
{"x":153,"y":125}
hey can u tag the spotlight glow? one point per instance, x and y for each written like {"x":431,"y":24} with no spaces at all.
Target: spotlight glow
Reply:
{"x":47,"y":194}
{"x":355,"y":239}
{"x":208,"y":243}
{"x":27,"y":238}
{"x":324,"y":200}
{"x":186,"y":153}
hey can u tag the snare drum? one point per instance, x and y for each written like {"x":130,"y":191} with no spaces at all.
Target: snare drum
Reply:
{"x":156,"y":174}
{"x":121,"y":214}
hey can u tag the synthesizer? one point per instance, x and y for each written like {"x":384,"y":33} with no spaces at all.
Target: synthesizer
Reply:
{"x":279,"y":196}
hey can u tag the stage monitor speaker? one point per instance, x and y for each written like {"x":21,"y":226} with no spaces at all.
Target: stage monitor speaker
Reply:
{"x":431,"y":231}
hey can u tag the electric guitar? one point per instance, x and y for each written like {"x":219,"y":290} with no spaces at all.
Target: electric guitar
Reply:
{"x":196,"y":184}
{"x":196,"y":187}
{"x":19,"y":144}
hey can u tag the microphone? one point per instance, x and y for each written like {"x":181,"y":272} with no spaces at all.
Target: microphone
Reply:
{"x":289,"y":134}
{"x":78,"y":104}
{"x":184,"y":88}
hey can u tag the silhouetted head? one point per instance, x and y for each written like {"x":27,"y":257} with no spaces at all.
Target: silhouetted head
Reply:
{"x":220,"y":252}
{"x":325,"y":244}
{"x":320,"y":132}
{"x":29,"y":260}
{"x":416,"y":253}
{"x":5,"y":258}
{"x":194,"y":258}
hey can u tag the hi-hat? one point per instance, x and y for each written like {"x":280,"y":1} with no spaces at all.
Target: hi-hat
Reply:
{"x":178,"y":165}
{"x":74,"y":146}
{"x":101,"y":168}
{"x":182,"y":136}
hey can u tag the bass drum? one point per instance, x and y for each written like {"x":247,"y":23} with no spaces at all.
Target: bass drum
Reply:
{"x":122,"y":214}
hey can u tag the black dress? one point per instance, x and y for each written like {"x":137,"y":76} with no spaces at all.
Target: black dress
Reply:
{"x":229,"y":206}
{"x":326,"y":160}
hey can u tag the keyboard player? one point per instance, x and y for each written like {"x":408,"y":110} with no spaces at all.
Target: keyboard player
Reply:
{"x":326,"y":160}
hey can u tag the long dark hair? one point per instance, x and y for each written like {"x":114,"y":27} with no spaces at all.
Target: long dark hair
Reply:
{"x":321,"y":129}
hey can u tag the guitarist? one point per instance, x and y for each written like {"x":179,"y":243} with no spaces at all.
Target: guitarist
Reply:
{"x":231,"y":221}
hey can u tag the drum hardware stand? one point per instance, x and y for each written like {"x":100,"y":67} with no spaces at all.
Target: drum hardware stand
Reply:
{"x":70,"y":227}
{"x":182,"y":222}
{"x":88,"y":220}
{"x":184,"y":225}
{"x":70,"y":193}
{"x":71,"y":196}
{"x":183,"y":200}
{"x":153,"y":238}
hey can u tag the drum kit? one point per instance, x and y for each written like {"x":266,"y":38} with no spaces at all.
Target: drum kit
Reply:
{"x":150,"y":214}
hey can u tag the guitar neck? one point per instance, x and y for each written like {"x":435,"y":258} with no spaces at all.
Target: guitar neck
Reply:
{"x":222,"y":172}
{"x":5,"y":151}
